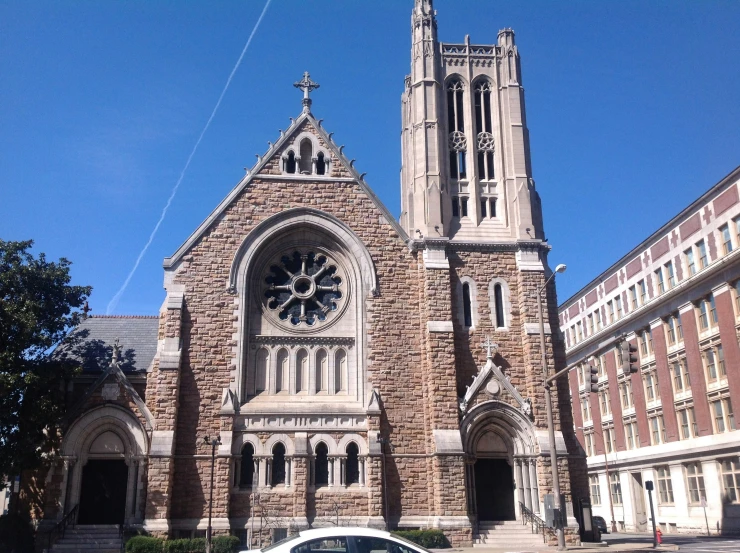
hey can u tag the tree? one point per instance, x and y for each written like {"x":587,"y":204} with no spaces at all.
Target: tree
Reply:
{"x":38,"y":307}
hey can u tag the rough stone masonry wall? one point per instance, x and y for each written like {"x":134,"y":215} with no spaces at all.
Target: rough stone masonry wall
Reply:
{"x":394,"y":365}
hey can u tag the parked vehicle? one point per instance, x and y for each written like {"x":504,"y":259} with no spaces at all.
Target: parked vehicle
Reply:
{"x":339,"y":539}
{"x":600,"y":523}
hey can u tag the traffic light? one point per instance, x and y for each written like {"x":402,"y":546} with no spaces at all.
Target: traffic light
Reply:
{"x":593,"y":378}
{"x":630,"y":360}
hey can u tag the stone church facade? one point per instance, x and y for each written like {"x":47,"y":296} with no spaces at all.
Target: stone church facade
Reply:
{"x":357,"y":370}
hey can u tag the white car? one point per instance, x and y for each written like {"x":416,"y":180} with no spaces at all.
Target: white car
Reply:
{"x":340,"y":539}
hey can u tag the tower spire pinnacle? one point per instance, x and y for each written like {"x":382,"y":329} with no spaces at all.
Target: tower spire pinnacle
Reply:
{"x":307,"y":85}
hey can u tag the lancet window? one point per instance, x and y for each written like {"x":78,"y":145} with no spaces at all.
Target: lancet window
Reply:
{"x":456,"y":129}
{"x":483,"y":122}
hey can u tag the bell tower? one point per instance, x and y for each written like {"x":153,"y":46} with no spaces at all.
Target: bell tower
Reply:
{"x":466,"y":171}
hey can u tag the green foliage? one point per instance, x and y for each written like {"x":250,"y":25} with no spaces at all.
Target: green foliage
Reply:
{"x":16,"y":534}
{"x":144,"y":544}
{"x":195,"y":545}
{"x":225,"y":544}
{"x":37,"y":309}
{"x":431,"y":539}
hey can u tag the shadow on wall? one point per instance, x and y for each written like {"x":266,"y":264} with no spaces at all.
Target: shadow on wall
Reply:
{"x":730,"y":524}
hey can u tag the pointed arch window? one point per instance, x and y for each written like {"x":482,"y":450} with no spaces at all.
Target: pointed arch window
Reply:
{"x":320,"y":164}
{"x":500,"y":303}
{"x":282,"y":371}
{"x":499,"y":299}
{"x":321,"y":477}
{"x":246,"y":474}
{"x":301,"y":371}
{"x":352,"y":465}
{"x":290,"y":163}
{"x":278,"y":464}
{"x":322,"y":371}
{"x":483,"y":123}
{"x":467,"y":306}
{"x":456,"y":129}
{"x":306,"y":150}
{"x":262,"y":362}
{"x":340,"y":372}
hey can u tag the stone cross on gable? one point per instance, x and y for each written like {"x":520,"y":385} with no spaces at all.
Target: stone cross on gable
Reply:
{"x":490,"y":346}
{"x":116,"y":353}
{"x":307,"y":86}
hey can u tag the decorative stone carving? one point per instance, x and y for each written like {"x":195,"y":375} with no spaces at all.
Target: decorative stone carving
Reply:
{"x":458,"y":142}
{"x":111,"y":391}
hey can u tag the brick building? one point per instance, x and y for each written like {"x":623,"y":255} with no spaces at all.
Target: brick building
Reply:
{"x":337,"y":353}
{"x":676,"y":298}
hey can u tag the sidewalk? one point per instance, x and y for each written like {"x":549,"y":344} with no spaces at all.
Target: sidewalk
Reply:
{"x":586,"y":548}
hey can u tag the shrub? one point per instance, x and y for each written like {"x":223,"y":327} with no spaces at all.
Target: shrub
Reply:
{"x":16,"y":534}
{"x":431,"y":539}
{"x":225,"y":544}
{"x":195,"y":545}
{"x":144,"y":544}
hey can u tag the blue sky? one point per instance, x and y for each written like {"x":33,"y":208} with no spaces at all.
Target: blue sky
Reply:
{"x":633,"y":110}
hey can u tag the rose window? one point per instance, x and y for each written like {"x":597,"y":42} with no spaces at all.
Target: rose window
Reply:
{"x":303,"y":288}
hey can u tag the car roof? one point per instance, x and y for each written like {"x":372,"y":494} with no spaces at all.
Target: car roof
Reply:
{"x":343,"y":531}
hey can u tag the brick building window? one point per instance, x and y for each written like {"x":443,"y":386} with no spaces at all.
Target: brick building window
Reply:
{"x":601,"y":366}
{"x":659,"y":281}
{"x":687,"y":423}
{"x":597,"y":318}
{"x":606,"y":407}
{"x":724,"y":232}
{"x":615,"y":488}
{"x":681,"y":382}
{"x":321,"y":465}
{"x":586,"y":408}
{"x":646,"y":342}
{"x":730,"y":469}
{"x":610,"y":308}
{"x":670,"y":276}
{"x":707,"y":313}
{"x":651,"y":386}
{"x":675,"y":331}
{"x":665,"y":486}
{"x":643,"y":292}
{"x":657,"y":429}
{"x":724,"y":418}
{"x":590,"y":320}
{"x":625,"y":389}
{"x":694,"y":482}
{"x":618,"y":305}
{"x":590,"y":449}
{"x":702,"y":254}
{"x":609,"y":440}
{"x":632,"y":437}
{"x":736,"y":286}
{"x":690,"y":262}
{"x":593,"y":483}
{"x":633,"y":297}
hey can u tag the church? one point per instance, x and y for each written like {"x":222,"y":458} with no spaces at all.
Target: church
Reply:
{"x":342,"y":366}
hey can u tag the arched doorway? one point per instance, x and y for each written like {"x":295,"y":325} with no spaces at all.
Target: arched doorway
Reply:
{"x":105,"y":467}
{"x":502,"y":450}
{"x":494,"y":479}
{"x":104,"y":482}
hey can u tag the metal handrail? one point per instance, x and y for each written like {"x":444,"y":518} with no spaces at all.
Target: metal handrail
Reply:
{"x":61,"y":526}
{"x":528,"y":517}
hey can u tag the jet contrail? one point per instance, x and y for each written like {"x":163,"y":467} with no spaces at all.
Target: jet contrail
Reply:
{"x":114,"y":301}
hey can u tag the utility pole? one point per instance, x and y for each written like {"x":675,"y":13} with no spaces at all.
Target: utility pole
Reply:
{"x":214,"y":443}
{"x":550,"y":422}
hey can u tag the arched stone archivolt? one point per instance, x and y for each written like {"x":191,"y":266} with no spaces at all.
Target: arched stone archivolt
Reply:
{"x":496,"y":430}
{"x":105,"y":433}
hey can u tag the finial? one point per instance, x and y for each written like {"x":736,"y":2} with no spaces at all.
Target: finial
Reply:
{"x":86,"y":310}
{"x":116,"y":352}
{"x":491,"y":348}
{"x":306,"y":85}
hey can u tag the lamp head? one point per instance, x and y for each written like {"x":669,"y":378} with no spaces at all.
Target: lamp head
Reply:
{"x":560,"y":268}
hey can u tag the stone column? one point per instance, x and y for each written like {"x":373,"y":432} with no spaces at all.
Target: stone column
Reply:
{"x":520,"y":481}
{"x":533,"y":480}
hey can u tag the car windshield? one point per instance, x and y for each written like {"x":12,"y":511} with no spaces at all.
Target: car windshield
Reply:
{"x":281,"y":542}
{"x":414,"y":545}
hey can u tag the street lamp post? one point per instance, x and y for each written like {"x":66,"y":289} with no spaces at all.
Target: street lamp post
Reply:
{"x":550,"y":423}
{"x":214,"y":443}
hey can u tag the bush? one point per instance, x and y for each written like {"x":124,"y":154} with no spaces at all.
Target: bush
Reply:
{"x":431,"y":539}
{"x":144,"y":544}
{"x":225,"y":544}
{"x":195,"y":545}
{"x":16,"y":534}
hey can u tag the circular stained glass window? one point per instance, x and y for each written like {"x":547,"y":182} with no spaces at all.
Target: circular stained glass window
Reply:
{"x":303,"y":288}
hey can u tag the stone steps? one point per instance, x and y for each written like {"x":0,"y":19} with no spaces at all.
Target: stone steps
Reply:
{"x":507,"y":533}
{"x":92,"y":538}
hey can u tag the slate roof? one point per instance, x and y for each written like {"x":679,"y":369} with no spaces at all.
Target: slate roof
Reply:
{"x":92,"y":341}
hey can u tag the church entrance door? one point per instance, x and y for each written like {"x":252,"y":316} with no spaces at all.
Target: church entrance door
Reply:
{"x":103,"y":492}
{"x":494,"y":490}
